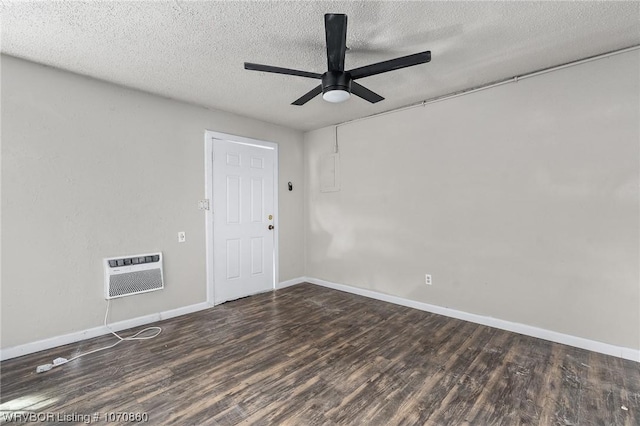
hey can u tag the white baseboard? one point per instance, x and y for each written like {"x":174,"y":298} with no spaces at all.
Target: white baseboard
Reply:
{"x":553,"y":336}
{"x":77,"y":336}
{"x":290,"y":282}
{"x":528,"y":330}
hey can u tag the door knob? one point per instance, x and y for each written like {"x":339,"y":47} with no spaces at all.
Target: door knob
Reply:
{"x":270,"y":226}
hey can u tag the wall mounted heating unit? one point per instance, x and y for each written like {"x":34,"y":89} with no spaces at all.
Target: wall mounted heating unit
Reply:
{"x":127,"y":275}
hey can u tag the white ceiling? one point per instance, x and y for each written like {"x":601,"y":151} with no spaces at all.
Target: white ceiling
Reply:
{"x":194,"y":51}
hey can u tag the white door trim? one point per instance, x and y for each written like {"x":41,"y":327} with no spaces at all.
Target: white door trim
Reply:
{"x":209,"y":135}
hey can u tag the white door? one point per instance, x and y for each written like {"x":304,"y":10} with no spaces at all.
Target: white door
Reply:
{"x":243,"y":208}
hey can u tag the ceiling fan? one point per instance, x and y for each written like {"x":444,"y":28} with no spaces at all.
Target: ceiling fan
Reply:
{"x":338,"y":84}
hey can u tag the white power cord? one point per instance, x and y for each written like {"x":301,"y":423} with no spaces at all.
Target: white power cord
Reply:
{"x":61,"y":361}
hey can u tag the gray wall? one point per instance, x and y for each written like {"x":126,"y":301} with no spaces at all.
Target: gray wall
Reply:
{"x":521,"y":201}
{"x":91,"y":170}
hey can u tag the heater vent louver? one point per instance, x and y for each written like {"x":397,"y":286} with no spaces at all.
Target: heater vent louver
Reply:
{"x":127,"y":275}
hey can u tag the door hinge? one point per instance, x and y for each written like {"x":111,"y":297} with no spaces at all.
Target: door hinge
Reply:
{"x":204,"y":204}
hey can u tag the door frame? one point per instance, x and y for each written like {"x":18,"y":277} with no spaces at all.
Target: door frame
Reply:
{"x":209,"y":136}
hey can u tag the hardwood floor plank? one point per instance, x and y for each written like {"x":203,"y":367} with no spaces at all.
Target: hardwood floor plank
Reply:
{"x":307,"y":355}
{"x":426,"y":398}
{"x":455,"y":406}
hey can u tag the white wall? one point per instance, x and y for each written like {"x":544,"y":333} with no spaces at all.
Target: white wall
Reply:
{"x":521,"y":201}
{"x":91,"y":170}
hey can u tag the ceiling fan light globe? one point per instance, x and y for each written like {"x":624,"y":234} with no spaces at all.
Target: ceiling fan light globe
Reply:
{"x":336,"y":96}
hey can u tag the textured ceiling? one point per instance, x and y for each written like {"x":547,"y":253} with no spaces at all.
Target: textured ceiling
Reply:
{"x":194,"y":51}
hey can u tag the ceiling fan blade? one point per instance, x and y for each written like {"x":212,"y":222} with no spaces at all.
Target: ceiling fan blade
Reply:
{"x":390,"y":65}
{"x":335,"y":27}
{"x":365,"y":93}
{"x":278,"y":70}
{"x":308,"y":96}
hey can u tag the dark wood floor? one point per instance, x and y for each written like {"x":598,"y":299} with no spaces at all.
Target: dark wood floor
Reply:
{"x":309,"y":355}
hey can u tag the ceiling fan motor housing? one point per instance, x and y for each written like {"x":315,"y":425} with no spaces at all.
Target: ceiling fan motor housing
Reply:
{"x":336,"y":80}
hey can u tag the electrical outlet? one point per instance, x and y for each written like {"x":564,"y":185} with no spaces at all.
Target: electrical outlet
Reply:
{"x":427,"y":279}
{"x":182,"y":237}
